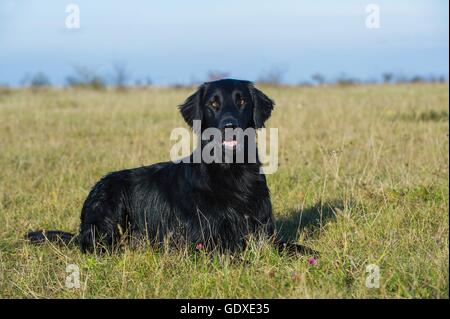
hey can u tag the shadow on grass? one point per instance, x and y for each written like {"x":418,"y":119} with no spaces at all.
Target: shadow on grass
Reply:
{"x":307,"y":220}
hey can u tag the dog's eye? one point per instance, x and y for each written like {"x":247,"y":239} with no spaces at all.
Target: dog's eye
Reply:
{"x":215,"y":104}
{"x":241,"y":102}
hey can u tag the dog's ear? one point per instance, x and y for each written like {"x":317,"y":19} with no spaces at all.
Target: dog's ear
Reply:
{"x":262,"y":106}
{"x":191,"y":109}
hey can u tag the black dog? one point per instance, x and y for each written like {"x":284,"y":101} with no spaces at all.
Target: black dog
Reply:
{"x":217,"y":205}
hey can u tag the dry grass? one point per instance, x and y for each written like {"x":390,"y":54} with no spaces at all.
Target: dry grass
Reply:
{"x":363,"y":178}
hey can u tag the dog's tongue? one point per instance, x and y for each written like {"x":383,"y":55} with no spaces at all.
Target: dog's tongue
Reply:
{"x":231,"y":143}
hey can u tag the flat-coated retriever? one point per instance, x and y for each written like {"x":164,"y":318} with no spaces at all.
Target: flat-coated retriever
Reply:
{"x":217,"y":205}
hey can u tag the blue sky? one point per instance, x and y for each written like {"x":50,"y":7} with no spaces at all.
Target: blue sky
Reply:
{"x":180,"y":41}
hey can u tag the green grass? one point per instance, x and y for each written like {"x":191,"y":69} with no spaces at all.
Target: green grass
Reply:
{"x":363,"y":178}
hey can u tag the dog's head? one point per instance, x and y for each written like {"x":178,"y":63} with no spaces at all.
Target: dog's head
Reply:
{"x":227,"y":104}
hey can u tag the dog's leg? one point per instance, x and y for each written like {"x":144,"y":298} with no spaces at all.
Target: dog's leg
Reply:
{"x":100,"y":237}
{"x":294,"y":249}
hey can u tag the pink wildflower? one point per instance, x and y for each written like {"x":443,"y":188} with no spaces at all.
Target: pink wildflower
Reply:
{"x":312,"y":261}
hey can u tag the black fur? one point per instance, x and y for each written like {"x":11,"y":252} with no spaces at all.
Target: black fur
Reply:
{"x":218,"y":205}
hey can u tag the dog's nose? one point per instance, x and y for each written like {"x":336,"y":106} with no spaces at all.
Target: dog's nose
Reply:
{"x":229,"y":123}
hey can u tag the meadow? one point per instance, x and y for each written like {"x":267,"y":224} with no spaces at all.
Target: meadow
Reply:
{"x":362,"y":178}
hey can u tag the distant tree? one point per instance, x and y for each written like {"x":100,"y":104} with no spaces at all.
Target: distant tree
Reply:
{"x":417,"y":79}
{"x":120,"y":76}
{"x":85,"y":78}
{"x":345,"y":80}
{"x":148,"y":81}
{"x":387,"y":77}
{"x":318,"y":78}
{"x":37,"y":80}
{"x":217,"y":75}
{"x":441,"y":79}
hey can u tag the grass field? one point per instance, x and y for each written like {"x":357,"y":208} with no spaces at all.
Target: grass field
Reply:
{"x":363,"y":178}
